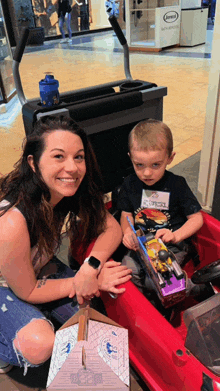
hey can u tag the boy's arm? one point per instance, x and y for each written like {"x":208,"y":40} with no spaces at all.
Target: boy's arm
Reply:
{"x":129,"y":239}
{"x":192,"y":225}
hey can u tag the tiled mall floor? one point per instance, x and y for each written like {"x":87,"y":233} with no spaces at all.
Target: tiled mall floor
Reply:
{"x":97,"y":59}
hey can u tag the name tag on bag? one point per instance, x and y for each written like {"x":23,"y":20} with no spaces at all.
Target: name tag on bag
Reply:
{"x":155,"y":199}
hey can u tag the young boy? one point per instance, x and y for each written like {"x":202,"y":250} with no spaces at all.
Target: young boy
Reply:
{"x":156,"y":200}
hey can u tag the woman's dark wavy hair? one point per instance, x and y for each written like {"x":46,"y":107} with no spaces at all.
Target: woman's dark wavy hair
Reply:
{"x":25,"y":187}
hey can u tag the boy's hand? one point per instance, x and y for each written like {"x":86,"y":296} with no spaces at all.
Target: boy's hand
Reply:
{"x":190,"y":227}
{"x":166,"y":235}
{"x":130,"y":241}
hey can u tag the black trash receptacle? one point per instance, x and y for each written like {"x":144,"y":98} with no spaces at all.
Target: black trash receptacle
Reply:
{"x":36,"y":36}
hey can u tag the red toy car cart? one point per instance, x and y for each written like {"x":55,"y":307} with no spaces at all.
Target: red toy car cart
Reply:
{"x":184,"y":353}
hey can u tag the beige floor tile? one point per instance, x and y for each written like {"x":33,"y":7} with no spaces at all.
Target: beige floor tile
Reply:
{"x":189,"y":147}
{"x":179,"y":157}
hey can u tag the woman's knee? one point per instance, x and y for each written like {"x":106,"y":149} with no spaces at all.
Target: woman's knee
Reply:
{"x":35,"y":341}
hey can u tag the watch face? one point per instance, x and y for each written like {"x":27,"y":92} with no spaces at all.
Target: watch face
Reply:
{"x":94,"y":262}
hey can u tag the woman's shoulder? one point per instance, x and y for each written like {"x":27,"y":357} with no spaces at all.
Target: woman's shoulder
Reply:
{"x":12,"y":223}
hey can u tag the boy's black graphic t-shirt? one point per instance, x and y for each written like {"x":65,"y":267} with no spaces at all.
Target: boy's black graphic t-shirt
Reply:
{"x":163,"y":205}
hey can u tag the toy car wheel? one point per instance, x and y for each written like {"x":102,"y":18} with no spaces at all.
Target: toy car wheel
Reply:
{"x":207,"y":273}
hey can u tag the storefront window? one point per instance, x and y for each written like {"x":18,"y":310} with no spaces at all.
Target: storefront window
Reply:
{"x":7,"y":88}
{"x":85,"y":15}
{"x":46,"y":15}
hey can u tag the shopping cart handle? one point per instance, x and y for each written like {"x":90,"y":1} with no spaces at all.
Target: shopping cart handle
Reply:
{"x":117,"y":29}
{"x":21,"y":45}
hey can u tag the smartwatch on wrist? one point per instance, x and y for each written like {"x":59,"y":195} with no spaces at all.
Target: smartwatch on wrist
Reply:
{"x":93,"y":262}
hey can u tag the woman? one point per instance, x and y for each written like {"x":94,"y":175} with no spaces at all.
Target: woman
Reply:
{"x":55,"y":181}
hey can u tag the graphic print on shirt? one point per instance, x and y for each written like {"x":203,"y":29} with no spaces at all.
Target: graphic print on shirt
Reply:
{"x":153,"y":213}
{"x":150,"y":220}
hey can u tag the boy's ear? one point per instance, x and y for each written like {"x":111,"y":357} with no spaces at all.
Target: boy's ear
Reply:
{"x":30,"y":161}
{"x":171,"y":157}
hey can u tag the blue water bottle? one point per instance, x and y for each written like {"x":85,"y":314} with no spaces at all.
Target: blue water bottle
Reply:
{"x":49,"y":91}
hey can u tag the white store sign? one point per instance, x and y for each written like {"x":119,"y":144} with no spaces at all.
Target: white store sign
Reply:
{"x":167,"y":26}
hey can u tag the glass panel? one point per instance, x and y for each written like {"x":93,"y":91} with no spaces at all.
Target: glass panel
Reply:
{"x":85,"y":15}
{"x":168,"y":3}
{"x":143,"y":27}
{"x":149,"y":4}
{"x":143,"y":4}
{"x":5,"y":61}
{"x":46,"y":15}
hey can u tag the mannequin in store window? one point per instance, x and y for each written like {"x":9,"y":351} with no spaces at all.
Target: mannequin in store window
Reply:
{"x":40,"y":8}
{"x":85,"y":14}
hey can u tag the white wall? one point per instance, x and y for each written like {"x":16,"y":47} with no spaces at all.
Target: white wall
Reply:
{"x":99,"y":15}
{"x":211,"y":141}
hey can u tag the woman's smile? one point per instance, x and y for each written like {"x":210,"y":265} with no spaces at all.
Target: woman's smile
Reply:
{"x":68,"y":180}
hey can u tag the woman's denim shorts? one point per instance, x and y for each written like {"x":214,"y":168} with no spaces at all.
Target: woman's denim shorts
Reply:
{"x":15,"y":314}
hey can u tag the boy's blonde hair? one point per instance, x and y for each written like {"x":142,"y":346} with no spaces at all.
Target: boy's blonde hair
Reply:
{"x":151,"y":134}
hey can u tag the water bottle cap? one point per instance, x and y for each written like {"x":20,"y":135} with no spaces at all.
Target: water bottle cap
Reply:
{"x":49,"y":79}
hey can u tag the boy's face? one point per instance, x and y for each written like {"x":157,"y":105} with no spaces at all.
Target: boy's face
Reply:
{"x":150,"y":165}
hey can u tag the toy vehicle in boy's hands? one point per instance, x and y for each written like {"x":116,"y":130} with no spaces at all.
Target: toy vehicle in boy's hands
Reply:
{"x":161,"y":265}
{"x":163,"y":260}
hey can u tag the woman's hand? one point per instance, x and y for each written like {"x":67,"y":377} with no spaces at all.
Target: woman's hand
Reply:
{"x":85,"y":284}
{"x":113,"y":274}
{"x":72,"y":289}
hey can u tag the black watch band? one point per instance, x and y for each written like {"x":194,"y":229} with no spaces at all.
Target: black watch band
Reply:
{"x":93,"y":262}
